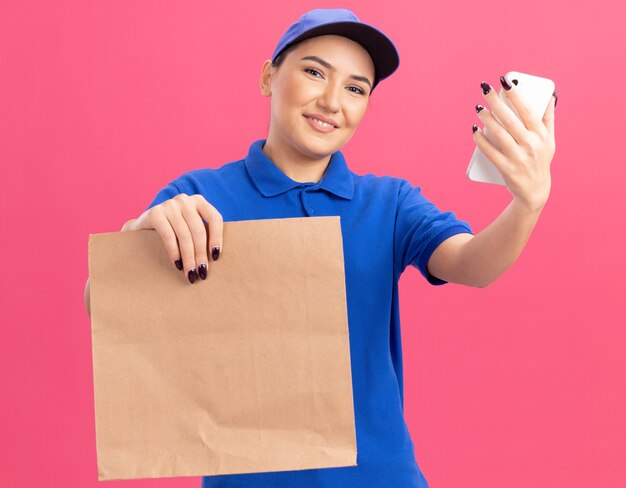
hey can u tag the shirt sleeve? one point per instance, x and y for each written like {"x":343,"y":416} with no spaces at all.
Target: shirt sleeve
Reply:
{"x":420,"y":228}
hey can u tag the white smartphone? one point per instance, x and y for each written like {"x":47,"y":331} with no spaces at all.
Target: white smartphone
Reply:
{"x":536,"y":92}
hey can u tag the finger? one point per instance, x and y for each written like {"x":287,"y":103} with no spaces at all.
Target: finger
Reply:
{"x":163,"y":227}
{"x":198,"y":235}
{"x":183,"y":234}
{"x":520,"y":105}
{"x":503,"y":113}
{"x":500,"y":137}
{"x":496,"y":157}
{"x":215,"y":222}
{"x":548,"y":117}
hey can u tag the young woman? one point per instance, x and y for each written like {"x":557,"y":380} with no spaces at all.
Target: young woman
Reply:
{"x":320,"y":79}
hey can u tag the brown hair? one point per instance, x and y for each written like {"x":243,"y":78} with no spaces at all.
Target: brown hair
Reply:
{"x":281,"y":57}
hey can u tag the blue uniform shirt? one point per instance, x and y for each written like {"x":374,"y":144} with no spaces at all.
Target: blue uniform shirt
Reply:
{"x":386,"y":224}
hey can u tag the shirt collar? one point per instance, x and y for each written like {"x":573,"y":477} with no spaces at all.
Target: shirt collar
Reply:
{"x":271,"y":181}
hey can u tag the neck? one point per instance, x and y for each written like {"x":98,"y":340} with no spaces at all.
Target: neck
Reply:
{"x":294,"y":164}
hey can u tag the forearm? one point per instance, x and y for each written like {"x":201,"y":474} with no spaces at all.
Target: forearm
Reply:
{"x":482,"y":259}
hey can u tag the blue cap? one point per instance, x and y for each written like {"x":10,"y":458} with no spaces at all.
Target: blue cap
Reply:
{"x":343,"y":22}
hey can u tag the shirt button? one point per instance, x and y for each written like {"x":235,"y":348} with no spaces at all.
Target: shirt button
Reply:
{"x":311,"y":211}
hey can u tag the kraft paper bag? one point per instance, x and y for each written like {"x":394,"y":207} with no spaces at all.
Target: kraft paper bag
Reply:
{"x":246,"y":371}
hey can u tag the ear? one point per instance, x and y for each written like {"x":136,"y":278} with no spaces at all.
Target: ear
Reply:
{"x":266,"y":76}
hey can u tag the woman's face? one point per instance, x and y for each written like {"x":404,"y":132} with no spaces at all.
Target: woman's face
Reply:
{"x":319,"y":95}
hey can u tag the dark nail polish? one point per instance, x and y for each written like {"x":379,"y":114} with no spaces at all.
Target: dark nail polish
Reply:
{"x":179,"y":264}
{"x":202,"y":271}
{"x":191,"y":275}
{"x":556,"y":99}
{"x":215,"y":253}
{"x":486,"y":88}
{"x":505,"y":83}
{"x":474,"y":128}
{"x":479,"y":107}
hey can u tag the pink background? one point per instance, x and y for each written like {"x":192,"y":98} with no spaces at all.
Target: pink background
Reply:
{"x":103,"y":102}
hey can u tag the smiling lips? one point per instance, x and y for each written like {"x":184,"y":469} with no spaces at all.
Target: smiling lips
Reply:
{"x":321,"y":124}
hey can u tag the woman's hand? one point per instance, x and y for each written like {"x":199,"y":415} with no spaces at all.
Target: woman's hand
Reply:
{"x":179,"y":223}
{"x":527,"y":145}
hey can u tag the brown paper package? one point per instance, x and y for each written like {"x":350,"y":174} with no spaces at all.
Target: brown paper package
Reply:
{"x":246,"y":371}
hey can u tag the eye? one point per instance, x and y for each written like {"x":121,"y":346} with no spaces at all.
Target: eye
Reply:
{"x":313,"y":72}
{"x":356,"y":89}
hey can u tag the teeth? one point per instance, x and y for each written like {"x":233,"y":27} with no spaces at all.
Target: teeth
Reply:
{"x":323,"y":124}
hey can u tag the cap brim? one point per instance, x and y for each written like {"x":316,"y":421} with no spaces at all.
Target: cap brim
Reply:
{"x":380,"y":48}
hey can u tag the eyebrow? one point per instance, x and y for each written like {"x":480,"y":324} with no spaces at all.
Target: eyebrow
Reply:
{"x":327,"y":65}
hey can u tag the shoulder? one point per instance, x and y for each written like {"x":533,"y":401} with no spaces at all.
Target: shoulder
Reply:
{"x":196,"y":180}
{"x":213,"y":183}
{"x":386,"y":184}
{"x":393,"y":192}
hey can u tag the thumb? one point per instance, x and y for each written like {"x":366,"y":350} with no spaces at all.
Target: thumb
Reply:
{"x":548,"y":117}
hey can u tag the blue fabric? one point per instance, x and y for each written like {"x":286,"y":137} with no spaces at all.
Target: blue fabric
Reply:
{"x":387,"y":224}
{"x":343,"y":22}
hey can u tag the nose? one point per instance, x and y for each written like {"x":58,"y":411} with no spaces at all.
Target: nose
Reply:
{"x":329,"y":99}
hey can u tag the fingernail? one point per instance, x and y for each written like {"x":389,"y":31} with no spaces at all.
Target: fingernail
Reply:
{"x":179,"y":264}
{"x":479,"y":107}
{"x":474,"y":128}
{"x":486,"y":88}
{"x":202,"y":271}
{"x":191,"y":275}
{"x":505,"y":83}
{"x":215,"y":253}
{"x":556,"y":98}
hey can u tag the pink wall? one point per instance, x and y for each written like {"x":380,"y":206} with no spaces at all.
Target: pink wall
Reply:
{"x":103,"y":102}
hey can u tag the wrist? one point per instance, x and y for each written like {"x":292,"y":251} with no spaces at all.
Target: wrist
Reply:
{"x":532,"y":207}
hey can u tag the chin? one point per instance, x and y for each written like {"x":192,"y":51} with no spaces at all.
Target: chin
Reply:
{"x":317,"y":148}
